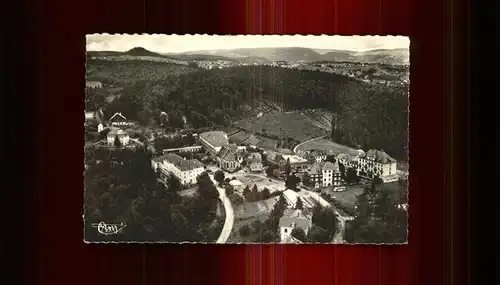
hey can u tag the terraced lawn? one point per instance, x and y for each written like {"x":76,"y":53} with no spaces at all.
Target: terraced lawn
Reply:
{"x":326,"y":145}
{"x":293,"y":124}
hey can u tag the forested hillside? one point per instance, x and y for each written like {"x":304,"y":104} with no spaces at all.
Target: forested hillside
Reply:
{"x":368,"y":115}
{"x":121,"y":187}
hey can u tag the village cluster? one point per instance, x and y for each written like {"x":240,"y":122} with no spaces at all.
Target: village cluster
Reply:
{"x":315,"y":169}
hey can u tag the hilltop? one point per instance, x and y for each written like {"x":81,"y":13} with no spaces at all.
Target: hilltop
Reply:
{"x":137,"y":51}
{"x":120,"y":73}
{"x":267,"y":55}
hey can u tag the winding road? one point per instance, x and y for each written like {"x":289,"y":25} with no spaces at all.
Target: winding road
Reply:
{"x":228,"y":207}
{"x":342,"y":218}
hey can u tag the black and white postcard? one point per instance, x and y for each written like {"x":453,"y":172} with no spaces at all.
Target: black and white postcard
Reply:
{"x":246,"y":139}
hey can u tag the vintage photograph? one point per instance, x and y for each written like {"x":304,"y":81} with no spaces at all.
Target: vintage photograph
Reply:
{"x":246,"y":139}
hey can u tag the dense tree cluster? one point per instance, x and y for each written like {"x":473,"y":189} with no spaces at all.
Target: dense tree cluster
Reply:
{"x":219,"y":176}
{"x":120,"y":186}
{"x":292,"y":181}
{"x":125,"y":72}
{"x":299,"y":234}
{"x":375,"y":119}
{"x":378,"y":218}
{"x":268,"y":230}
{"x":254,"y":194}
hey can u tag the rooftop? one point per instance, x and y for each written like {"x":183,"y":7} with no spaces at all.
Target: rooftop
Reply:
{"x":117,"y":116}
{"x":159,"y":158}
{"x":284,"y":151}
{"x":254,"y":157}
{"x":240,"y":137}
{"x":93,"y":83}
{"x":116,"y":131}
{"x":267,"y":143}
{"x":294,"y":158}
{"x":318,"y":167}
{"x":294,"y":219}
{"x":215,"y":138}
{"x":291,"y":239}
{"x":228,"y":152}
{"x":181,"y":163}
{"x":330,"y":166}
{"x":231,"y":131}
{"x":379,"y":156}
{"x":291,"y":196}
{"x":275,"y":157}
{"x":235,"y":183}
{"x":252,"y":140}
{"x":90,"y":115}
{"x":318,"y":153}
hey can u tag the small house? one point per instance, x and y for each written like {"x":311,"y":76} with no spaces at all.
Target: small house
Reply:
{"x":254,"y":162}
{"x":292,"y":219}
{"x":118,"y":120}
{"x":115,"y":133}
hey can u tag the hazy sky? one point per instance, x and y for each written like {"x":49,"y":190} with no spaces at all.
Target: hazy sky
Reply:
{"x":183,"y":43}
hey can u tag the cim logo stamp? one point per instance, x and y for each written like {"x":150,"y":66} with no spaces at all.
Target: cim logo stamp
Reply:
{"x":109,"y":229}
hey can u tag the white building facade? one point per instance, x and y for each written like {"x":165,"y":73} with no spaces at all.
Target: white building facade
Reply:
{"x":377,"y":163}
{"x":186,"y":170}
{"x":123,"y":137}
{"x":326,"y":174}
{"x":292,"y":219}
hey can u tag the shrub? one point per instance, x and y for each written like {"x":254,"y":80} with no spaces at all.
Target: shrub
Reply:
{"x":236,"y":199}
{"x":257,"y":226}
{"x":245,"y":231}
{"x":229,"y":190}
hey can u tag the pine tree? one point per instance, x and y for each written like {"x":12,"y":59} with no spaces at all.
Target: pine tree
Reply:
{"x":246,"y":191}
{"x":334,"y":127}
{"x":288,"y":167}
{"x":299,"y":205}
{"x":255,"y":189}
{"x":118,"y":143}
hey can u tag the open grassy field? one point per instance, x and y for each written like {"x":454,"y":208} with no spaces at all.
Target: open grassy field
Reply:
{"x":326,"y":145}
{"x":348,"y":197}
{"x":299,"y":125}
{"x":253,"y":209}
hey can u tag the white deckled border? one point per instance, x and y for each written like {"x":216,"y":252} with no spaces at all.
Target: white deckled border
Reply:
{"x":256,"y":243}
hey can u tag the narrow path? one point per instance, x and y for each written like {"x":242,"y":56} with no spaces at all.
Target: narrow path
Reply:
{"x":297,"y":146}
{"x":137,"y":141}
{"x":228,"y":207}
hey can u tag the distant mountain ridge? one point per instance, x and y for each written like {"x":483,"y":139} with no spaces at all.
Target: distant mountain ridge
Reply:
{"x":265,"y":55}
{"x":137,"y":51}
{"x":299,"y":54}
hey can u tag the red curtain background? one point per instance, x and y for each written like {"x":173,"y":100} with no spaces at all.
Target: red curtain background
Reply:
{"x":63,"y":258}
